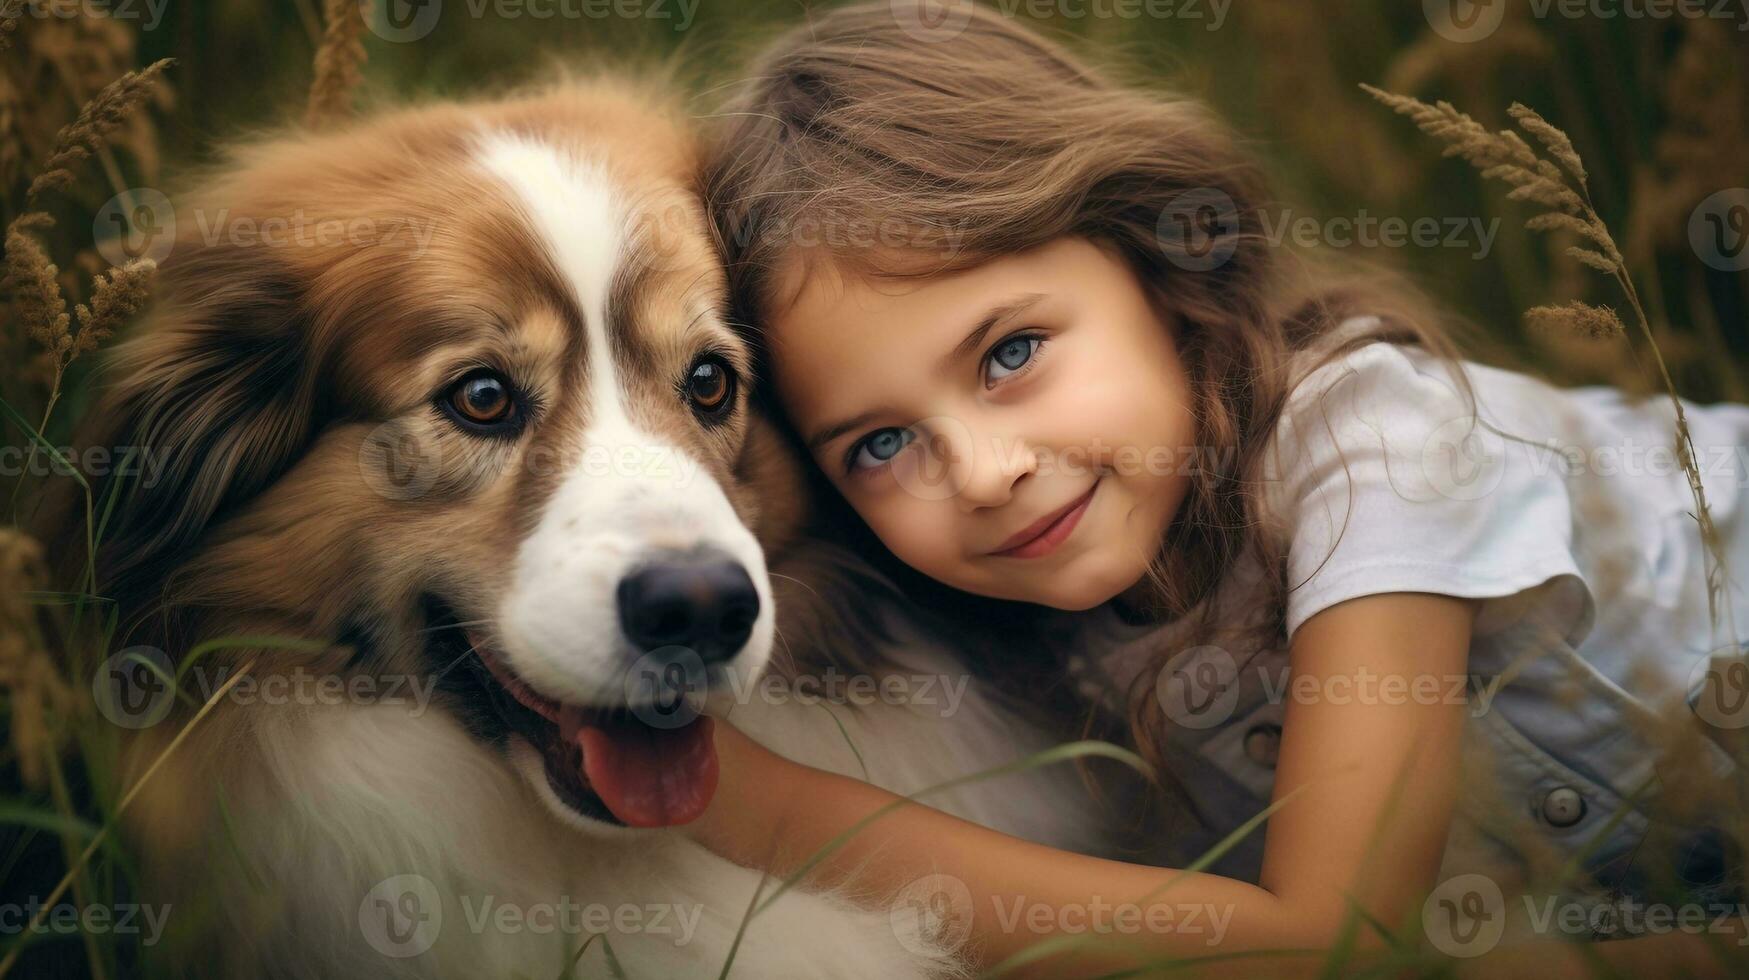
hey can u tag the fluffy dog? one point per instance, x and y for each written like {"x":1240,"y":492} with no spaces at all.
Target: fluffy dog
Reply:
{"x":446,"y":404}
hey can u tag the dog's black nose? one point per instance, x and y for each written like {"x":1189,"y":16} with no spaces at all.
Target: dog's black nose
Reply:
{"x":702,"y":601}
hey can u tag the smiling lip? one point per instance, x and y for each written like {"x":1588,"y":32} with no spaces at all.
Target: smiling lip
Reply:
{"x":1044,"y":535}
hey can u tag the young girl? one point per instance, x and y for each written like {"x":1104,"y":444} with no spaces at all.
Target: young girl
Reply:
{"x":1028,"y":325}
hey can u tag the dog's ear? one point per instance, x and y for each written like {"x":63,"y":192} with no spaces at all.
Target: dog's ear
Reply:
{"x":212,"y":401}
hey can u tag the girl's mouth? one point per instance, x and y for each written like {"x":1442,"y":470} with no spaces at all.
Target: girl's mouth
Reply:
{"x":1046,"y":534}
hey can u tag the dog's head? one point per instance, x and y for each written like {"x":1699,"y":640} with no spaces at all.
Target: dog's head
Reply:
{"x":454,"y":389}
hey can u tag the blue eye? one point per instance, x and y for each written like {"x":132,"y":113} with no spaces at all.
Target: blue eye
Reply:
{"x":878,"y":447}
{"x":1011,"y":355}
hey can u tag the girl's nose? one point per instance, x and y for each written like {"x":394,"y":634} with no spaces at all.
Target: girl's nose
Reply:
{"x":993,"y":467}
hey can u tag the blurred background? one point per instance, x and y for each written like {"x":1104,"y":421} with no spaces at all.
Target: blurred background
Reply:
{"x":1657,"y":106}
{"x":1655,"y":98}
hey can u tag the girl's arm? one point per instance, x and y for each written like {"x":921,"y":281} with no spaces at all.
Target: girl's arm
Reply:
{"x":1371,"y":752}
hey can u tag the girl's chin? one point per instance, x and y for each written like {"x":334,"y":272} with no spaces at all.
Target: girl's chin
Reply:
{"x":1076,"y":589}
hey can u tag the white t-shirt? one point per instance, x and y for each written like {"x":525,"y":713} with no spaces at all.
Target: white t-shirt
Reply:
{"x":1566,"y":511}
{"x":1392,"y":481}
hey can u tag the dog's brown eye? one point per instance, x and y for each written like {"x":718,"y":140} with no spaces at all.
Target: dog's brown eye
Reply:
{"x":710,"y":387}
{"x":483,"y":399}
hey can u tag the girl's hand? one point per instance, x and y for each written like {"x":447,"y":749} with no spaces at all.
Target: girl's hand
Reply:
{"x":751,"y":800}
{"x":1373,"y":786}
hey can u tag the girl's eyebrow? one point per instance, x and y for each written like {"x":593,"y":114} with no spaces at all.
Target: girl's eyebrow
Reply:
{"x":997,"y":315}
{"x":837,"y":429}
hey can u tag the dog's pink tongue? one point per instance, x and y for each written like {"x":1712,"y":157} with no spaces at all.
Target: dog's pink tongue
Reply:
{"x":649,"y":777}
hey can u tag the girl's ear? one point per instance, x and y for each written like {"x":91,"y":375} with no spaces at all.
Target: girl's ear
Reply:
{"x":211,"y":402}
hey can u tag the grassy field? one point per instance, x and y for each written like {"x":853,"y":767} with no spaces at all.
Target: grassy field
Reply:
{"x":1657,"y":109}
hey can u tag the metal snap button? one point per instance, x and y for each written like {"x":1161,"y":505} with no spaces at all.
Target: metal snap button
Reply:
{"x":1563,"y":807}
{"x":1263,"y":744}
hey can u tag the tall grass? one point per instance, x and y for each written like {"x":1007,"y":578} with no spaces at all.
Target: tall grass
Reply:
{"x":1658,"y":114}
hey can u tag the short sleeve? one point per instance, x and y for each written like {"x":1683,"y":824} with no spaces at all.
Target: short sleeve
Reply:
{"x":1388,"y":480}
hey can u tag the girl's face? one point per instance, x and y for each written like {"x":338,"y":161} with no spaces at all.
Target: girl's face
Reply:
{"x":1021,"y":429}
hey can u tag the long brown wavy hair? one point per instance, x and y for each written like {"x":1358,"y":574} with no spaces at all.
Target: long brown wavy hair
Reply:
{"x":870,"y":137}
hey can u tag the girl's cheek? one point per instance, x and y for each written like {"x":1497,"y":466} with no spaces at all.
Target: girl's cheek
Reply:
{"x":911,"y":530}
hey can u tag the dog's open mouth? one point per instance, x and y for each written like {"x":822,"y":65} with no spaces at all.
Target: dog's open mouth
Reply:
{"x":605,"y":763}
